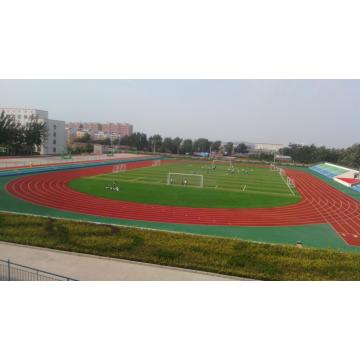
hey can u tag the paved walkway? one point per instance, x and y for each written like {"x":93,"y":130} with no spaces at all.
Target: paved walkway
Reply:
{"x":89,"y":267}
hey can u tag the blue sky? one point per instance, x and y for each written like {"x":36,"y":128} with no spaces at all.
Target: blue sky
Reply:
{"x":324,"y":112}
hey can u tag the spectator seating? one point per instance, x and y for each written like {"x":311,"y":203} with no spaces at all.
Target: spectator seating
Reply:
{"x":328,"y":170}
{"x":356,"y":188}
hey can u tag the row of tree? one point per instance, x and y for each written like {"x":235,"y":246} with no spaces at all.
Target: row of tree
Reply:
{"x":21,"y":139}
{"x":25,"y":139}
{"x":177,"y":145}
{"x":313,"y":154}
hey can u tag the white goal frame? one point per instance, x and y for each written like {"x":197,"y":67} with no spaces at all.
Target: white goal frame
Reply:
{"x":225,"y":162}
{"x":290,"y":182}
{"x":273,"y":167}
{"x":119,"y":168}
{"x":168,"y":180}
{"x":156,"y":163}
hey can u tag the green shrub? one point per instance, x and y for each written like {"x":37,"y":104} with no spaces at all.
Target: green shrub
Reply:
{"x":214,"y":254}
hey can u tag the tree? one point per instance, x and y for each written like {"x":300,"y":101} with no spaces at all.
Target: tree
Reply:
{"x":155,"y":142}
{"x":201,"y":145}
{"x":351,"y":156}
{"x":242,"y":149}
{"x":34,"y":133}
{"x":167,"y":145}
{"x":86,"y":138}
{"x":10,"y":133}
{"x":229,"y":147}
{"x":215,"y":146}
{"x":125,"y":140}
{"x":138,"y":140}
{"x":186,"y":146}
{"x":176,"y":145}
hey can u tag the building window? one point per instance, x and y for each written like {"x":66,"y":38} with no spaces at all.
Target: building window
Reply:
{"x":54,"y":142}
{"x":54,"y":134}
{"x":54,"y":127}
{"x":54,"y":149}
{"x":25,"y":116}
{"x":19,"y":116}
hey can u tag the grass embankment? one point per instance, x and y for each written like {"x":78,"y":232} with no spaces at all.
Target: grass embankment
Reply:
{"x":219,"y":255}
{"x":245,"y":187}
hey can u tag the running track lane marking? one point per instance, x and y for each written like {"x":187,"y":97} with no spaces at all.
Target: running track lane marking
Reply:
{"x":320,"y":203}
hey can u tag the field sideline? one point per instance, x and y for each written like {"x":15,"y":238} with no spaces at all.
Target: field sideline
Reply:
{"x":244,"y":187}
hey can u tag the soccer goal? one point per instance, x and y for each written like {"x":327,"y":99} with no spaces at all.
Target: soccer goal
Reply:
{"x":290,"y":182}
{"x":185,"y":179}
{"x":156,"y":163}
{"x":273,"y":167}
{"x":222,"y":162}
{"x":119,"y":168}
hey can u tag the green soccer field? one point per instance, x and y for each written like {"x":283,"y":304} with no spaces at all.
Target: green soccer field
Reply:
{"x":243,"y":187}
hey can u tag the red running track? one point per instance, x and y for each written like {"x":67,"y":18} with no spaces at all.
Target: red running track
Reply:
{"x":320,"y":203}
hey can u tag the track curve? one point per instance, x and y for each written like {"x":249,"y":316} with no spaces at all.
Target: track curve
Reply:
{"x":320,"y":203}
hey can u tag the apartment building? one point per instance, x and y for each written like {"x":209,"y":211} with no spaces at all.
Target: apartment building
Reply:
{"x":55,"y":143}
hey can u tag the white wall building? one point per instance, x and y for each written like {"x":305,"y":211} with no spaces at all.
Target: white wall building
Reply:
{"x":264,"y":147}
{"x":56,"y":139}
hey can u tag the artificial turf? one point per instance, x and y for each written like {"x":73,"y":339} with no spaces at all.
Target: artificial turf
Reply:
{"x":245,"y":187}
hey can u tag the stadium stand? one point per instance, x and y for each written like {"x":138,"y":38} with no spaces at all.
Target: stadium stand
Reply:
{"x":345,"y":176}
{"x":329,"y":170}
{"x":356,"y":188}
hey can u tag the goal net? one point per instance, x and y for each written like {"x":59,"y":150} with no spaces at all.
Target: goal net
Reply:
{"x":290,"y":182}
{"x":185,"y":179}
{"x":156,"y":163}
{"x":119,"y":168}
{"x":273,"y":167}
{"x":227,"y":163}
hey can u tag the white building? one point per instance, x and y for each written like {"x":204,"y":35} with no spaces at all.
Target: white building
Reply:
{"x":264,"y":147}
{"x":55,"y":143}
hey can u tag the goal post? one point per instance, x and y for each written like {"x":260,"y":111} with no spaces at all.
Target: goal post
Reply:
{"x":273,"y":167}
{"x":156,"y":163}
{"x":185,"y":179}
{"x":223,"y":162}
{"x":119,"y":168}
{"x":290,"y":182}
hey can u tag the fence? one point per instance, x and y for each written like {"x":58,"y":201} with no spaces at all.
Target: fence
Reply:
{"x":10,"y":271}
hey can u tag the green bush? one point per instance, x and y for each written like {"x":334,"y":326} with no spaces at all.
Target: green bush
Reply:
{"x":213,"y":254}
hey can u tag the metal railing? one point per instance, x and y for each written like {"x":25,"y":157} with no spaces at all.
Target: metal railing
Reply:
{"x":10,"y":271}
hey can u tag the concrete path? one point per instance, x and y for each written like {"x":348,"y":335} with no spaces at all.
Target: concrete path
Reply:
{"x":89,"y":267}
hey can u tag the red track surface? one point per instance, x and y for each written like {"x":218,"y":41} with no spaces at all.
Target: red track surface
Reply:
{"x":320,"y":203}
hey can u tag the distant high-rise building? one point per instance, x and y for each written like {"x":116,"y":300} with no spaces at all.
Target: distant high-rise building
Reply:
{"x":264,"y":147}
{"x":109,"y":128}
